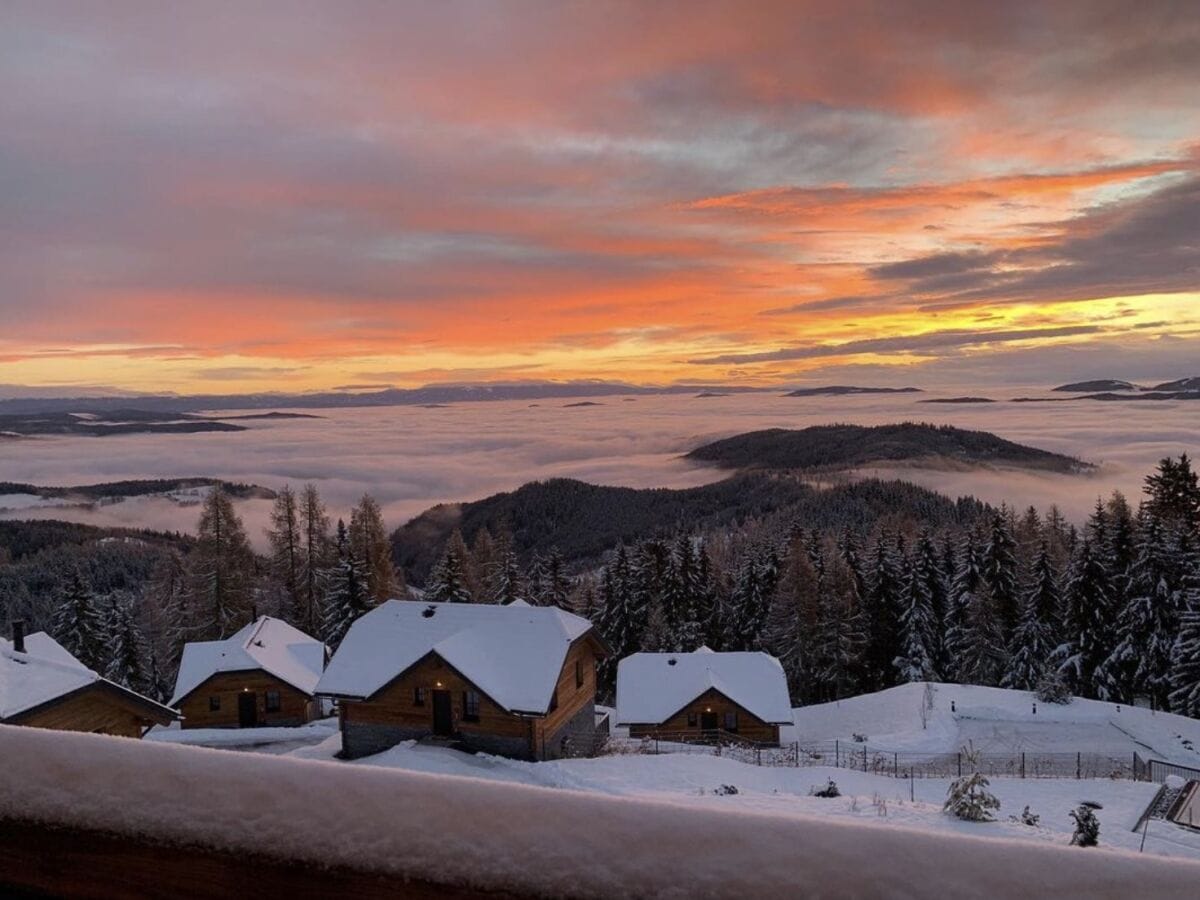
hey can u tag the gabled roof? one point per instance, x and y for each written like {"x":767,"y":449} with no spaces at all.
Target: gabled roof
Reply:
{"x":513,"y":653}
{"x":652,"y":687}
{"x":266,"y":643}
{"x":47,"y":672}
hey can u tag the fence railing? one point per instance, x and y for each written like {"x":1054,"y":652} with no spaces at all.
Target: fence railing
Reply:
{"x":1159,"y":771}
{"x":901,"y":764}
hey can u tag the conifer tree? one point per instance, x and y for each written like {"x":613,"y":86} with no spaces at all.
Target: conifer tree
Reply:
{"x":965,"y":586}
{"x":1036,"y":634}
{"x":504,"y":582}
{"x":840,"y":634}
{"x":221,"y":570}
{"x":1087,"y":629}
{"x":129,"y":662}
{"x":622,"y":618}
{"x":346,"y":592}
{"x":79,"y":623}
{"x":317,"y":556}
{"x":286,"y":553}
{"x":557,"y":584}
{"x":985,"y":656}
{"x":917,"y":626}
{"x":1000,"y":574}
{"x":1185,"y":652}
{"x":1173,"y":494}
{"x":447,"y":583}
{"x":792,"y":618}
{"x":749,"y":605}
{"x":368,"y":535}
{"x":881,"y":607}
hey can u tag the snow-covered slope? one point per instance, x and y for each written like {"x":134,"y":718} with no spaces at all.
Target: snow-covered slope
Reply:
{"x":996,"y":721}
{"x":552,"y":843}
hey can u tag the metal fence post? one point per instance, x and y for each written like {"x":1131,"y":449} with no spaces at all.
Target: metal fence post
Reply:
{"x":960,"y":764}
{"x":895,"y":765}
{"x":864,"y":757}
{"x":1022,"y":763}
{"x":837,"y":755}
{"x":1078,"y":764}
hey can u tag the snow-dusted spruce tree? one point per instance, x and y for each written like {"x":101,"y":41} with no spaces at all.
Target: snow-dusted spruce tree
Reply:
{"x":882,"y":606}
{"x":969,"y":798}
{"x":368,"y":535}
{"x":928,"y":565}
{"x":967,"y":582}
{"x":1141,"y":662}
{"x":1087,"y":826}
{"x":1087,"y":627}
{"x":1185,"y":653}
{"x":447,"y":581}
{"x":1000,"y":573}
{"x":316,"y":556}
{"x":557,"y":584}
{"x":792,"y":618}
{"x":1036,"y":634}
{"x":917,"y":624}
{"x":840,"y":634}
{"x":346,"y":595}
{"x":79,"y":623}
{"x":1052,"y":688}
{"x":750,"y":603}
{"x":286,"y":549}
{"x":129,"y":664}
{"x":985,"y":656}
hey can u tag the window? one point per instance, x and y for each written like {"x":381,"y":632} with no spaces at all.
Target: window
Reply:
{"x":731,"y":721}
{"x":214,"y":703}
{"x":471,"y":706}
{"x":578,"y":673}
{"x":419,"y":696}
{"x":554,"y":700}
{"x":691,"y":720}
{"x":273,"y":703}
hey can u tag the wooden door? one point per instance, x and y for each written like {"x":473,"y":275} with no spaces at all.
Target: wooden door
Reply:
{"x":443,"y":720}
{"x":708,"y":724}
{"x":247,"y":709}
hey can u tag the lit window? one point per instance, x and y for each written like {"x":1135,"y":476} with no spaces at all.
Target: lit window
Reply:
{"x":214,"y":703}
{"x":273,"y":703}
{"x":471,"y":706}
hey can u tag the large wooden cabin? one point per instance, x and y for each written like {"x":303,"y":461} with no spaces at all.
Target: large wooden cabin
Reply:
{"x":44,"y":686}
{"x":703,"y":696}
{"x":514,"y":680}
{"x":264,"y":675}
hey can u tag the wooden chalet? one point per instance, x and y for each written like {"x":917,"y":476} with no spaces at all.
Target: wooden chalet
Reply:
{"x":514,"y":680}
{"x":264,"y":675}
{"x":44,"y":686}
{"x":703,"y":696}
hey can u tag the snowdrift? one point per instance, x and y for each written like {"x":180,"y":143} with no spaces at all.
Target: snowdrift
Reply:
{"x":528,"y":840}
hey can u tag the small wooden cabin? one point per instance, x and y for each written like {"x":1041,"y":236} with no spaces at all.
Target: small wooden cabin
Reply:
{"x":264,"y":675}
{"x":703,"y":696}
{"x":44,"y":686}
{"x":514,"y":680}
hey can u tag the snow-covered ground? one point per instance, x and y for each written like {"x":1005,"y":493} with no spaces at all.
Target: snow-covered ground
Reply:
{"x":995,"y":721}
{"x":257,"y":740}
{"x":643,"y":826}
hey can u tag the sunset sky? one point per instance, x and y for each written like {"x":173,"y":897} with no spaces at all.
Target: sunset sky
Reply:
{"x":251,"y":196}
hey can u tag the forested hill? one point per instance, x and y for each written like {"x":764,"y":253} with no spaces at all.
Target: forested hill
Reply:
{"x":136,"y":488}
{"x":583,"y":521}
{"x":832,"y":447}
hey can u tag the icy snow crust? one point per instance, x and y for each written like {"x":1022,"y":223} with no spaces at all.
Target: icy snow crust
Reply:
{"x":552,"y":842}
{"x":513,"y":653}
{"x":268,"y":644}
{"x":652,"y":687}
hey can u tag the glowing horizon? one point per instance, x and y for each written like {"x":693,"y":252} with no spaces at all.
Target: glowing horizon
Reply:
{"x":300,"y":198}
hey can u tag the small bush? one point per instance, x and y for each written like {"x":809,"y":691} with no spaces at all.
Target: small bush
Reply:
{"x":1087,"y":826}
{"x":1053,"y":689}
{"x":726,"y":790}
{"x":1026,"y":818}
{"x":830,"y":790}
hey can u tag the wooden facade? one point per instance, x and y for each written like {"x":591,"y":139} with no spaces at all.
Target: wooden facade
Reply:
{"x":246,"y":699}
{"x":708,"y":715}
{"x":97,"y":708}
{"x":433,"y":698}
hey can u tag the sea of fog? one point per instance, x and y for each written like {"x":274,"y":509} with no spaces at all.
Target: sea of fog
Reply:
{"x":411,"y":457}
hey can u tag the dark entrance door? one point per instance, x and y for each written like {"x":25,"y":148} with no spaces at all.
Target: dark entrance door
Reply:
{"x":708,"y":724}
{"x":442,"y":720}
{"x":247,"y":709}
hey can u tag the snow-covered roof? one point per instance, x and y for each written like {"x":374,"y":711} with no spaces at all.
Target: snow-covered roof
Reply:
{"x":652,"y":687}
{"x":512,"y":653}
{"x":266,"y":643}
{"x":44,"y":672}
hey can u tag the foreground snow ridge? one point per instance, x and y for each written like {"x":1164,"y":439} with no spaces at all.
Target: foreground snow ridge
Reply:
{"x":444,"y":830}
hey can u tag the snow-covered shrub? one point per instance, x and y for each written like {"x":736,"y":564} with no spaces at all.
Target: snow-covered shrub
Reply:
{"x":830,"y":790}
{"x":1087,"y":826}
{"x":969,"y":798}
{"x":1053,"y":689}
{"x":1026,"y":818}
{"x":726,"y":790}
{"x":859,"y":738}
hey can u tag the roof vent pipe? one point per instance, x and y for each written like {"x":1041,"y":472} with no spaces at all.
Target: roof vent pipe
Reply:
{"x":18,"y":635}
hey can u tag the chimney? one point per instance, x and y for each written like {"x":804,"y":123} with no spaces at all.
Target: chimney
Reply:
{"x":18,"y":635}
{"x":253,"y":612}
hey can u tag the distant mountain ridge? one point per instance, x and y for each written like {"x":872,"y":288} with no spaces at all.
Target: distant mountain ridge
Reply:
{"x":837,"y":390}
{"x":840,"y":447}
{"x":1098,"y":386}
